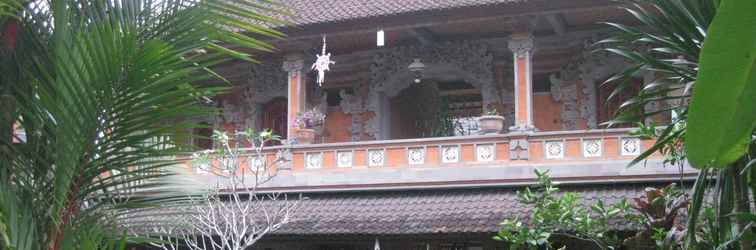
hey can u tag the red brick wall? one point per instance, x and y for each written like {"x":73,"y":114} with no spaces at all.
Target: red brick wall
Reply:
{"x":546,"y":113}
{"x":338,"y":127}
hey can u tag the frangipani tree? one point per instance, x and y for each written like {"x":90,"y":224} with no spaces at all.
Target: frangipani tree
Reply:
{"x":234,"y":214}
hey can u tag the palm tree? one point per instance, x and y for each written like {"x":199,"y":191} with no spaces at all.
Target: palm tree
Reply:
{"x":104,"y":91}
{"x":669,"y":45}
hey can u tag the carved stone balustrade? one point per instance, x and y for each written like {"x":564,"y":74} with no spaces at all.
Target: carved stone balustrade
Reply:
{"x":571,"y":156}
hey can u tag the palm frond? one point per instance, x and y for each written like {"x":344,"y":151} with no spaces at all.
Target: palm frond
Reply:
{"x":667,"y":46}
{"x":106,"y":91}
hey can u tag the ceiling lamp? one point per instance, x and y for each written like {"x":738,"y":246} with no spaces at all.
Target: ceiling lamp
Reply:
{"x":417,"y":67}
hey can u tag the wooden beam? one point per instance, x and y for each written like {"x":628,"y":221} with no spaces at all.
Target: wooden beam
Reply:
{"x":525,"y":23}
{"x":459,"y":92}
{"x":557,"y":22}
{"x":424,"y":35}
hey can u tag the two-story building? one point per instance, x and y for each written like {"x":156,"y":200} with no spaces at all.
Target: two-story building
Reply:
{"x":400,"y":158}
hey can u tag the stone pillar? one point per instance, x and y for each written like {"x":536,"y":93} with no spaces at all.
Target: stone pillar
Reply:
{"x":296,"y":90}
{"x":522,"y":50}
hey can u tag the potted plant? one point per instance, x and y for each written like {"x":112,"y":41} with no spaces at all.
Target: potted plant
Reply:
{"x":307,"y":122}
{"x":491,"y":122}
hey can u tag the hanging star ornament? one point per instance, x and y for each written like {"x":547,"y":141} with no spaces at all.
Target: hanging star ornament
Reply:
{"x":322,"y":63}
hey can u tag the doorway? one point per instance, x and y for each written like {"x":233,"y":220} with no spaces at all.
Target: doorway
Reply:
{"x":275,"y":116}
{"x":434,"y":108}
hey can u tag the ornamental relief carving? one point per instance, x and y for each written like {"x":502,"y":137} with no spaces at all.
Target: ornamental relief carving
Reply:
{"x":579,"y":101}
{"x":265,"y":82}
{"x":354,"y":105}
{"x":389,"y":73}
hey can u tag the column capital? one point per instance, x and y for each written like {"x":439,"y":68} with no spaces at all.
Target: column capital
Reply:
{"x":521,"y":44}
{"x":294,"y":65}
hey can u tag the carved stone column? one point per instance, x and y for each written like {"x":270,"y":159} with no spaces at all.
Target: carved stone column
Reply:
{"x":522,"y":49}
{"x":296,"y":91}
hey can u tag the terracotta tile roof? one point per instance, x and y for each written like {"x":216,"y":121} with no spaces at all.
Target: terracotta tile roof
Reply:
{"x":422,"y":211}
{"x":326,"y":11}
{"x":426,"y":212}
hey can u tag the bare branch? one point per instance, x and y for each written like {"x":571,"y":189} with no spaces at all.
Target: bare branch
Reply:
{"x":233,"y":215}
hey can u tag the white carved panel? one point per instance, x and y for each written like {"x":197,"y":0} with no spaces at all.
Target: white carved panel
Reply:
{"x":344,"y":159}
{"x":202,"y":168}
{"x":485,"y":152}
{"x":630,"y":146}
{"x":450,"y":154}
{"x":554,"y":149}
{"x":256,"y":163}
{"x":592,"y":148}
{"x":376,"y":157}
{"x":314,"y":160}
{"x":416,"y":156}
{"x":226,"y":165}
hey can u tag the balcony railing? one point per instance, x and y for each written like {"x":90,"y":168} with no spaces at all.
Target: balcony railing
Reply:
{"x":581,"y":156}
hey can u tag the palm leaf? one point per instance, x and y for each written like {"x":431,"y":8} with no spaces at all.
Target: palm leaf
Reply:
{"x":107,"y":94}
{"x":667,"y":46}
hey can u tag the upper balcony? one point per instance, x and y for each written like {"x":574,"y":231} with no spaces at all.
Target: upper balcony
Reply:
{"x":405,"y":114}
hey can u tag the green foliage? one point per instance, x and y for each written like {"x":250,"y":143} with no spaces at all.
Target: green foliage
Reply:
{"x":231,"y":147}
{"x":659,"y":213}
{"x":444,"y":124}
{"x":564,"y":214}
{"x":104,"y":91}
{"x":672,"y":150}
{"x":667,"y":46}
{"x":490,"y":109}
{"x":722,"y":111}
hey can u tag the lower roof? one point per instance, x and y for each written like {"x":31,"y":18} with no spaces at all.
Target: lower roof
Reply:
{"x":414,"y":212}
{"x":431,"y":211}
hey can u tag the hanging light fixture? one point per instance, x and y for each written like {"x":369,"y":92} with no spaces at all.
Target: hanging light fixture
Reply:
{"x":379,"y":38}
{"x":416,"y":68}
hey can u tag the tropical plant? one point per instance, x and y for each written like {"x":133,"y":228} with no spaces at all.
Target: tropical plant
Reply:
{"x":490,"y":109}
{"x":103,"y":89}
{"x":444,"y":119}
{"x":670,"y":47}
{"x":565,"y":215}
{"x":660,"y":213}
{"x":722,"y":119}
{"x":234,"y":214}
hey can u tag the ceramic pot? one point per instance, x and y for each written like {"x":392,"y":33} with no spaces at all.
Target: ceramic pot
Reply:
{"x":491,"y":124}
{"x":305,"y":136}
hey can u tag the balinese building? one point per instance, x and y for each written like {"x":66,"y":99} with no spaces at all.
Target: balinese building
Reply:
{"x":400,"y":157}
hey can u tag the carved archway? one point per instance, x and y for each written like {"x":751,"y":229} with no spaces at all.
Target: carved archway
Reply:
{"x":469,"y":61}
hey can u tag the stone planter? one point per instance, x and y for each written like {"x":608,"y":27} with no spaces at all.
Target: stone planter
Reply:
{"x":491,"y":124}
{"x":305,"y":136}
